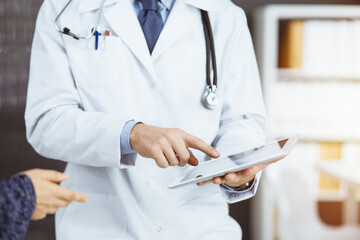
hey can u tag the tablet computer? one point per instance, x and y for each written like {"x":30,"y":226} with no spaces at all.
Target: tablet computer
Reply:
{"x":219,"y":167}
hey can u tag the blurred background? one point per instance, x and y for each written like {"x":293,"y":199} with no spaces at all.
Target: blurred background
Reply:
{"x":309,"y":59}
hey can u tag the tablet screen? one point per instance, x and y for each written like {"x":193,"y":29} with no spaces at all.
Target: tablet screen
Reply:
{"x":218,"y":165}
{"x":259,"y":153}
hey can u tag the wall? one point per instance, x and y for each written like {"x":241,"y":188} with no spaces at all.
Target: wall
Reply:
{"x":17,"y":19}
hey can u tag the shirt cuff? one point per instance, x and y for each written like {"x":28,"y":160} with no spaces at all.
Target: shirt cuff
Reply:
{"x":125,"y":145}
{"x":233,"y":196}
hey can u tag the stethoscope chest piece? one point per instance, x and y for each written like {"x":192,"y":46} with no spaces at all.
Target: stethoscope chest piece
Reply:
{"x":210,"y":99}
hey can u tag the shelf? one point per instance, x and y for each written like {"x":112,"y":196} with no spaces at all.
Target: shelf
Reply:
{"x":346,"y":172}
{"x":318,"y":105}
{"x":304,"y":11}
{"x":315,"y":137}
{"x":301,"y":75}
{"x":331,"y":196}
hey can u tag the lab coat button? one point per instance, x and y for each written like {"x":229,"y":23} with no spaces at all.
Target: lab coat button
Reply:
{"x":152,"y":86}
{"x":159,"y":229}
{"x":148,"y":183}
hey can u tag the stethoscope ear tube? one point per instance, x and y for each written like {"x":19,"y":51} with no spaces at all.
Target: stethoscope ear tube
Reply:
{"x":210,"y":49}
{"x":67,"y":30}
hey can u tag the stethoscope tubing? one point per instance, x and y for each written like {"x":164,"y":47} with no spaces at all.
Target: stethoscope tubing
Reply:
{"x":210,"y":50}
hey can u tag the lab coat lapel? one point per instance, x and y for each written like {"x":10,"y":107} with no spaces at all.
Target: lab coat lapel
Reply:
{"x":174,"y":29}
{"x":123,"y":20}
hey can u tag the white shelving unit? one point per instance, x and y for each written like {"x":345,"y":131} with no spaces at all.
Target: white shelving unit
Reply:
{"x":318,"y":107}
{"x":291,"y":75}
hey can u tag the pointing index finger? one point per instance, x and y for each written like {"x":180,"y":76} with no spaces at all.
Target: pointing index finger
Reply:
{"x":199,"y":144}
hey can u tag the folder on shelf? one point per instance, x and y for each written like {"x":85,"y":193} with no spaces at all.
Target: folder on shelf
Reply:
{"x":291,"y":45}
{"x":329,"y":151}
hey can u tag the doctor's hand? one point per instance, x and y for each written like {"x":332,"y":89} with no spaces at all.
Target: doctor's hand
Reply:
{"x":49,"y":195}
{"x":236,"y":179}
{"x":168,"y":146}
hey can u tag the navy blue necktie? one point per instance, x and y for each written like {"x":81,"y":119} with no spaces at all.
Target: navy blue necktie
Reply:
{"x":151,"y":22}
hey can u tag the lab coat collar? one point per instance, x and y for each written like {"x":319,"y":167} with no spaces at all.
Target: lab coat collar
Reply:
{"x":91,"y":5}
{"x":208,"y":5}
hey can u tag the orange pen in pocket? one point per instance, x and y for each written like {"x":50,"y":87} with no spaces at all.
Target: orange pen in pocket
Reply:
{"x":106,"y":34}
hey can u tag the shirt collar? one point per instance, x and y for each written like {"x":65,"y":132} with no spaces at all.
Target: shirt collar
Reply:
{"x":166,"y":3}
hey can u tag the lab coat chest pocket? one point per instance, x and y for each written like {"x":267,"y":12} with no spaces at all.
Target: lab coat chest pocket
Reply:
{"x":101,"y":67}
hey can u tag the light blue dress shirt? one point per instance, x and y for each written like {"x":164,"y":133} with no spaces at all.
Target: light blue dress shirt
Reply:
{"x":125,"y":146}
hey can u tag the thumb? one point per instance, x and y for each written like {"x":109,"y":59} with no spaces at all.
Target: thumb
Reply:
{"x":193,"y":161}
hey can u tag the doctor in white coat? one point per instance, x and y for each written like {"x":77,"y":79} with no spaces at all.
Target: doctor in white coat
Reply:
{"x":125,"y":117}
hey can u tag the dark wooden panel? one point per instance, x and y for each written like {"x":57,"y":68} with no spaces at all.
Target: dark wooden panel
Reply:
{"x":17,"y":21}
{"x":241,"y":213}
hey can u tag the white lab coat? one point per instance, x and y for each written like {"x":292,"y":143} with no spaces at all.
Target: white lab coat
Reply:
{"x":79,"y":100}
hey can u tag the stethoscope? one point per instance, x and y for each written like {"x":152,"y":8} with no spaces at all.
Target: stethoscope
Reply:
{"x":210,"y":99}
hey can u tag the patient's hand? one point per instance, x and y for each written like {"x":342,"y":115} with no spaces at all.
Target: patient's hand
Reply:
{"x":49,"y":195}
